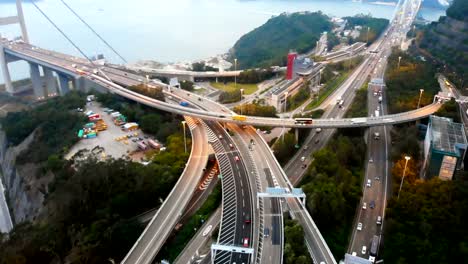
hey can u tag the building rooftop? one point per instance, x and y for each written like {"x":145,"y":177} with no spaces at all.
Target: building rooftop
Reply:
{"x":446,"y":135}
{"x":283,"y":85}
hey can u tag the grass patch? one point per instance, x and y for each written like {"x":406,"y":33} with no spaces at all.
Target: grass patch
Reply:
{"x":172,"y":249}
{"x":328,"y":89}
{"x":359,"y":106}
{"x":231,"y":87}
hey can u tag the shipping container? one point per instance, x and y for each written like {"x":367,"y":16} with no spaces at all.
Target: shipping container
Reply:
{"x":153,"y":144}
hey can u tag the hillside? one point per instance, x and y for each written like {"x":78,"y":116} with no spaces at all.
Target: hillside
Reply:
{"x":447,"y":41}
{"x":269,"y":44}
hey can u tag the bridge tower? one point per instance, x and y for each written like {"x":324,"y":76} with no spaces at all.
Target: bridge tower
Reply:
{"x":18,"y":19}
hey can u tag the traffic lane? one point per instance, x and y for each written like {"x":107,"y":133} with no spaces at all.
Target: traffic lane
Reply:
{"x":199,"y":240}
{"x":270,"y":253}
{"x":166,"y":218}
{"x":310,"y":232}
{"x":244,"y":206}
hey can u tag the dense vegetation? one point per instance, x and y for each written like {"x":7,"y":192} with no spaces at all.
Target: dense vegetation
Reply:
{"x":255,"y":76}
{"x":152,"y":121}
{"x":256,"y":109}
{"x":426,"y":224}
{"x":201,"y":67}
{"x":376,"y":27}
{"x":91,"y":207}
{"x":404,"y":83}
{"x":269,"y":44}
{"x":153,"y":92}
{"x":55,"y":122}
{"x":446,"y":41}
{"x":458,"y":10}
{"x":359,"y":106}
{"x":298,"y":99}
{"x":295,"y":250}
{"x":333,"y":187}
{"x":229,"y":97}
{"x":176,"y":244}
{"x":186,"y":85}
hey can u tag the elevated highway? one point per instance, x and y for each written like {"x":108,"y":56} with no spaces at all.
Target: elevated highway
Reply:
{"x":163,"y":222}
{"x":98,"y":74}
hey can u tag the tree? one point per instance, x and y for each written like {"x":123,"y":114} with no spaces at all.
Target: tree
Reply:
{"x":187,"y":85}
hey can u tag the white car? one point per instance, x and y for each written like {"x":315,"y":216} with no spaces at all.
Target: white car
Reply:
{"x":368,"y":183}
{"x":364,"y":206}
{"x":364,"y":250}
{"x":359,"y":226}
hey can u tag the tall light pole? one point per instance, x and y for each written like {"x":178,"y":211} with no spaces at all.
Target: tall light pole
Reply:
{"x":318,"y":87}
{"x":407,"y":158}
{"x":235,"y":76}
{"x":242,"y":92}
{"x":185,"y":140}
{"x":420,"y":94}
{"x":285,"y":102}
{"x":367,"y":42}
{"x":399,"y":60}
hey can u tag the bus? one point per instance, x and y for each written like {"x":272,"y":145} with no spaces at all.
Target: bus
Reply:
{"x":374,"y":246}
{"x":303,"y":121}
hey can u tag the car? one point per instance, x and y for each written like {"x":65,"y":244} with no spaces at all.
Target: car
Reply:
{"x":236,"y":158}
{"x":372,"y":204}
{"x":364,"y":206}
{"x":379,"y":220}
{"x":220,"y":136}
{"x":371,"y":160}
{"x":364,"y":250}
{"x":369,"y":183}
{"x":318,"y":130}
{"x":140,"y":138}
{"x":359,"y":226}
{"x":134,"y":140}
{"x":146,"y":137}
{"x":354,"y":253}
{"x":302,"y":159}
{"x":266,"y":232}
{"x":231,"y":146}
{"x":245,"y":242}
{"x":306,"y":147}
{"x":247,"y":219}
{"x":304,"y":166}
{"x":377,"y":178}
{"x":317,"y":141}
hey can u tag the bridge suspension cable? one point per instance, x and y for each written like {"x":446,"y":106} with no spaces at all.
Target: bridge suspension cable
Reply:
{"x":63,"y":33}
{"x":97,"y":34}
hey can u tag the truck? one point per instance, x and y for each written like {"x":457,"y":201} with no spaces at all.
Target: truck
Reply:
{"x":184,"y":103}
{"x":374,"y":246}
{"x":376,"y":135}
{"x":340,"y":104}
{"x":338,"y":100}
{"x":239,"y":117}
{"x":153,"y":144}
{"x":380,"y":99}
{"x":377,"y":113}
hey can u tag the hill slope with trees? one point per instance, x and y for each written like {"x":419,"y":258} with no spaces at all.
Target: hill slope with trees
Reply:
{"x":269,"y":44}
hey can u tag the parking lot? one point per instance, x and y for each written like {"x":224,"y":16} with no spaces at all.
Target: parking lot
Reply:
{"x":113,"y":142}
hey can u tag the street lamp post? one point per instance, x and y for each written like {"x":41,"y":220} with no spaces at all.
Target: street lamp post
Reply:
{"x":399,"y":60}
{"x":242,"y":92}
{"x":368,"y":28}
{"x":185,"y":140}
{"x":285,"y":107}
{"x":235,"y":76}
{"x":318,"y":87}
{"x":420,"y":95}
{"x":407,"y":158}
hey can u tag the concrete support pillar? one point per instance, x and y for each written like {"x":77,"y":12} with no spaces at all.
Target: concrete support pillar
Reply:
{"x":51,"y":82}
{"x":216,"y":79}
{"x":64,"y":85}
{"x":6,"y":73}
{"x":297,"y":135}
{"x":36,"y":81}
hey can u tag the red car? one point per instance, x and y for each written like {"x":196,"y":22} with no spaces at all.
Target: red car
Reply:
{"x":246,"y":242}
{"x":236,"y":158}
